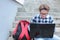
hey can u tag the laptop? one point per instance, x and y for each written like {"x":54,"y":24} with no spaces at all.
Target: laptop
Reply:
{"x":41,"y":30}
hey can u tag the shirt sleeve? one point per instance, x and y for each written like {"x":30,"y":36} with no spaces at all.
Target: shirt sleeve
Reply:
{"x":33,"y":20}
{"x":52,"y":20}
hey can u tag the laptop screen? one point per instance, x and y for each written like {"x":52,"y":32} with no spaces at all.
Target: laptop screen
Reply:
{"x":41,"y":30}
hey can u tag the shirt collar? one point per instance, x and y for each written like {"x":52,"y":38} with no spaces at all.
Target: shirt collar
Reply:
{"x":46,"y":15}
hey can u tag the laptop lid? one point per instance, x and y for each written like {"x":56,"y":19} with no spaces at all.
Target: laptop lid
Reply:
{"x":41,"y":30}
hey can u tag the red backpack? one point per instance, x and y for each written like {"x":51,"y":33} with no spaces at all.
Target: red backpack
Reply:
{"x":21,"y":31}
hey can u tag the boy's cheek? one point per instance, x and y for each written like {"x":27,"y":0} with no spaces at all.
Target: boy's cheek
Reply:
{"x":44,"y":12}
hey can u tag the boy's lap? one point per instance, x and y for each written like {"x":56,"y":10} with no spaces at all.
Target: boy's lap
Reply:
{"x":54,"y":38}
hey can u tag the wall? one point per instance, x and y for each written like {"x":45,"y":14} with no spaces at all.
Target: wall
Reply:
{"x":8,"y":9}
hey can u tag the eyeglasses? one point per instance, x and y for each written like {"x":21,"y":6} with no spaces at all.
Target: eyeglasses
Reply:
{"x":44,"y":9}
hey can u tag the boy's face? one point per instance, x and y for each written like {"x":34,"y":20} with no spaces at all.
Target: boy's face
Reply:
{"x":43,"y":12}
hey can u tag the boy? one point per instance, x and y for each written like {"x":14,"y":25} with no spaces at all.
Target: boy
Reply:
{"x":44,"y":18}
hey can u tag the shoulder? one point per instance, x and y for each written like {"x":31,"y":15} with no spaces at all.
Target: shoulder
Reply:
{"x":50,"y":16}
{"x":36,"y":16}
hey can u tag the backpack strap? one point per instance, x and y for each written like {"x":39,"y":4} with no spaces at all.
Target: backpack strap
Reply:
{"x":24,"y":26}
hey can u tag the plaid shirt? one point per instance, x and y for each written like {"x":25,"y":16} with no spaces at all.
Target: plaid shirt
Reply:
{"x":38,"y":19}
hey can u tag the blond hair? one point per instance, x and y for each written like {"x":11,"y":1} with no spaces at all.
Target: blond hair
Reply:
{"x":44,"y":6}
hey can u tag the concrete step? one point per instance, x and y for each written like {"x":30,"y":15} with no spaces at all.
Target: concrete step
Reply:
{"x":26,"y":14}
{"x":17,"y":18}
{"x":57,"y":32}
{"x":16,"y":22}
{"x":11,"y":38}
{"x":56,"y":21}
{"x":29,"y":9}
{"x":35,"y":13}
{"x":57,"y":29}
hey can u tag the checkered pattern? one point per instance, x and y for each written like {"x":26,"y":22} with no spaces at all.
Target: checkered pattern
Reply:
{"x":38,"y":19}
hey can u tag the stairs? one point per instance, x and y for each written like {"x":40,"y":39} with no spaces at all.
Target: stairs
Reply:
{"x":30,"y":9}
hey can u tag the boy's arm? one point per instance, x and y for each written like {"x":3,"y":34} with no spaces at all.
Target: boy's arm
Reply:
{"x":33,"y":20}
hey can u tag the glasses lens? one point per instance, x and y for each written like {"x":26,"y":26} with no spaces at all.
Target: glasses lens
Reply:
{"x":44,"y":9}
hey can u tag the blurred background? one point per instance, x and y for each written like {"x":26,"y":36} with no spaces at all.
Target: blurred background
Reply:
{"x":11,"y":11}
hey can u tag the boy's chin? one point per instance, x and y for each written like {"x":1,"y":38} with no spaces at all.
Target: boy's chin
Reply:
{"x":43,"y":17}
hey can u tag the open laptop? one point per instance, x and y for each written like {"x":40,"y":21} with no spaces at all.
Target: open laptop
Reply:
{"x":41,"y":30}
